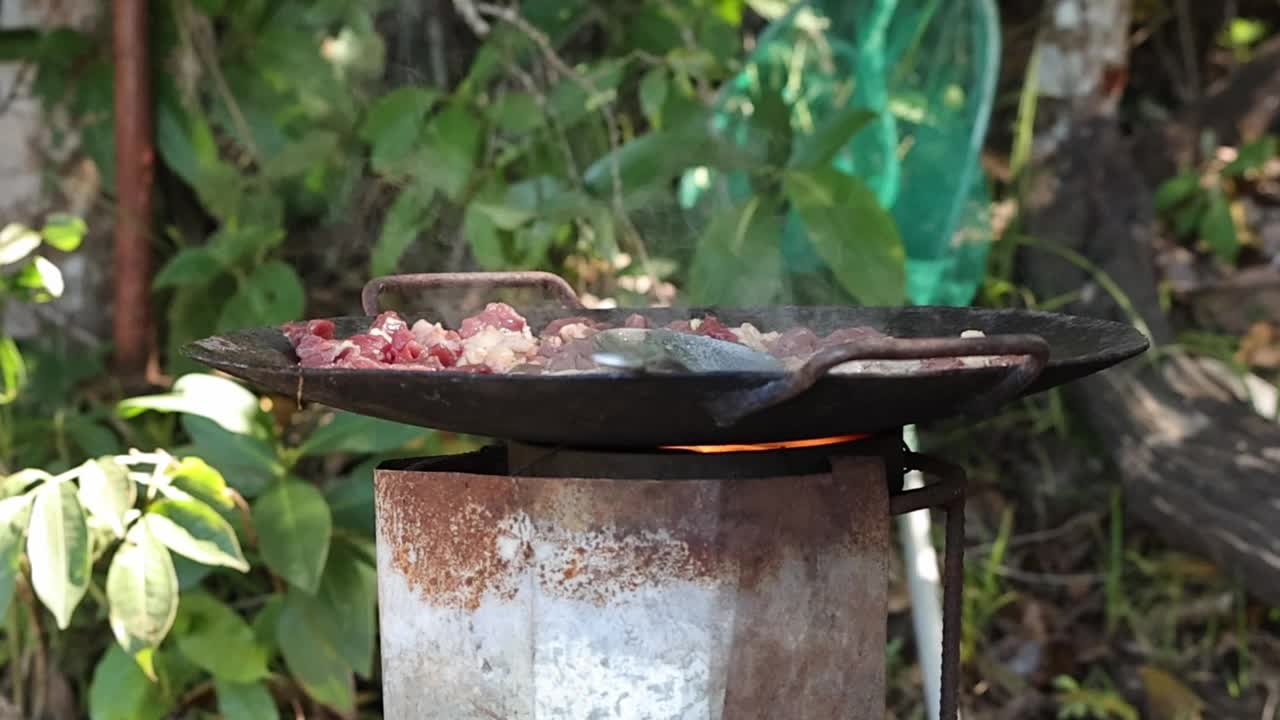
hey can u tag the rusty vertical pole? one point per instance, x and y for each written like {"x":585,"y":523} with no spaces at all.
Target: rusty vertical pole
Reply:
{"x":135,"y":158}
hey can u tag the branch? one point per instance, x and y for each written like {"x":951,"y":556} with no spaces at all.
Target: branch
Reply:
{"x":539,"y":38}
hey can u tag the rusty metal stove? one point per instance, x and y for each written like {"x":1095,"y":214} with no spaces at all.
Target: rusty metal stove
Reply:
{"x":524,"y":582}
{"x":521,"y":582}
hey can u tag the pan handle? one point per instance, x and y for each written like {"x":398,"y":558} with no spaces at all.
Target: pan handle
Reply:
{"x":552,"y":284}
{"x":730,"y":408}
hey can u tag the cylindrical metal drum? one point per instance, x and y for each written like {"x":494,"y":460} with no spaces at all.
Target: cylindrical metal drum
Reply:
{"x":523,"y":597}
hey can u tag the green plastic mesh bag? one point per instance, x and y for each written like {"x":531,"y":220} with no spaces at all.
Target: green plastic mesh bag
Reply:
{"x":927,"y":68}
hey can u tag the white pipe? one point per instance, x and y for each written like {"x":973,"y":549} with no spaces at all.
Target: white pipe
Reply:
{"x":923,"y":582}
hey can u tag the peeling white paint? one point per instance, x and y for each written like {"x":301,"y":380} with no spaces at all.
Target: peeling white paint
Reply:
{"x":650,"y":654}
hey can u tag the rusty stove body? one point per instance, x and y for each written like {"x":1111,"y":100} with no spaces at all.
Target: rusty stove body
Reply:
{"x":525,"y":583}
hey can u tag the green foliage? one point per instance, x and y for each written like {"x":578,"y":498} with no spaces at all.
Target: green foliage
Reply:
{"x":121,"y":691}
{"x":1241,"y":35}
{"x":142,"y":591}
{"x":542,"y":171}
{"x":984,"y":593}
{"x":28,"y":276}
{"x":292,"y":510}
{"x":219,"y":641}
{"x":245,"y":701}
{"x":58,"y":547}
{"x":1196,"y":204}
{"x":15,"y":513}
{"x":133,"y":524}
{"x":833,"y":204}
{"x":238,"y":558}
{"x":739,"y":261}
{"x":1082,"y":703}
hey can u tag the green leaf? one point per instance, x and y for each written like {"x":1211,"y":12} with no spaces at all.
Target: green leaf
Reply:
{"x":21,"y":481}
{"x":223,"y":401}
{"x":739,"y":260}
{"x":653,"y":94}
{"x":1176,"y":189}
{"x":107,"y":492}
{"x":351,"y":433}
{"x":230,"y":245}
{"x":570,"y":101}
{"x":14,"y":514}
{"x":482,"y":235}
{"x":533,"y":242}
{"x":301,"y":156}
{"x":245,"y":462}
{"x":27,"y":284}
{"x":409,"y":215}
{"x":655,"y":158}
{"x":451,"y":144}
{"x":1186,"y":217}
{"x":222,"y":191}
{"x":516,"y":113}
{"x":283,"y":517}
{"x":348,"y":608}
{"x":16,"y":243}
{"x":92,"y":437}
{"x":142,"y":592}
{"x":190,"y":266}
{"x":815,"y":151}
{"x":120,"y":691}
{"x":770,"y":124}
{"x":351,"y":499}
{"x":20,"y":44}
{"x":13,"y":371}
{"x":312,"y":661}
{"x":50,"y":276}
{"x":1241,"y":32}
{"x":642,"y":163}
{"x":198,"y":479}
{"x":219,"y":641}
{"x":64,"y":232}
{"x":190,"y":572}
{"x":58,"y":549}
{"x":197,"y":532}
{"x":272,"y":295}
{"x":393,"y":122}
{"x":698,"y":62}
{"x":245,"y":701}
{"x":184,"y":139}
{"x":504,"y":217}
{"x":548,"y":198}
{"x":1251,"y":156}
{"x":849,"y":229}
{"x":267,"y":622}
{"x":1218,"y":229}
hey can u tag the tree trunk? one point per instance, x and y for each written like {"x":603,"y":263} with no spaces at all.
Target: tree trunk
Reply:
{"x":1198,"y":466}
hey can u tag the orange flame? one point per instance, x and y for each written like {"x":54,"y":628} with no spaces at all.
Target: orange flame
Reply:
{"x":763,"y":447}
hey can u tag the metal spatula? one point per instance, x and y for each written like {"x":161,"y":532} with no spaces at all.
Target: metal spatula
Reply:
{"x":663,"y":350}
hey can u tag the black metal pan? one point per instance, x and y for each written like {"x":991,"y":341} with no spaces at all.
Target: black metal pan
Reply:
{"x":1022,"y":352}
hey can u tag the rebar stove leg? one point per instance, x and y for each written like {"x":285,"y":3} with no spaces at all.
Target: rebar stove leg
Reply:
{"x":952,"y":597}
{"x":947,"y":493}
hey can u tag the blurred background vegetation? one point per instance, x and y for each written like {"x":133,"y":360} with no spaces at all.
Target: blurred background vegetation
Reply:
{"x":176,"y":546}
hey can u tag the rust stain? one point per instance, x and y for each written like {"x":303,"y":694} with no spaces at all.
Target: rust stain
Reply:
{"x":442,"y":531}
{"x":458,"y":538}
{"x":799,"y":640}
